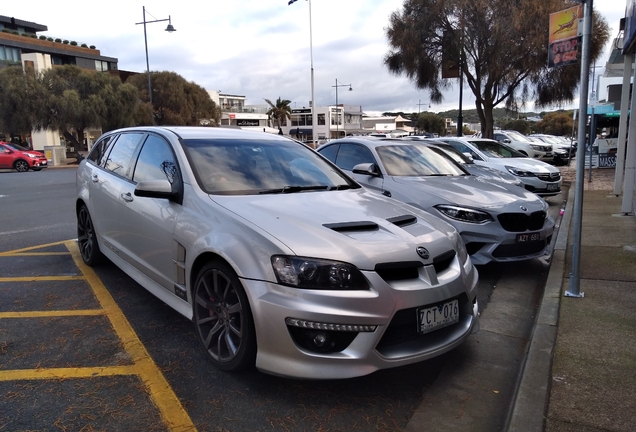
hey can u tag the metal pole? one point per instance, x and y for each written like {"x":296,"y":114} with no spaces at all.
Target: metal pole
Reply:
{"x":147,"y":63}
{"x":622,"y":128}
{"x":314,"y":114}
{"x":337,"y":113}
{"x":575,"y":275}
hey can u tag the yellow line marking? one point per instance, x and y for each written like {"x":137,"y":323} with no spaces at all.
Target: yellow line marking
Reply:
{"x":37,"y":254}
{"x":52,"y":313}
{"x":40,"y":278}
{"x":172,"y":412}
{"x":30,"y":248}
{"x":65,"y":373}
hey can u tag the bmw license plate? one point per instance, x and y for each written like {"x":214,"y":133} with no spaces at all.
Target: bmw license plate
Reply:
{"x":436,"y":317}
{"x":521,"y":238}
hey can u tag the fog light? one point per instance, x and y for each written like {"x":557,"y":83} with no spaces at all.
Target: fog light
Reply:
{"x":320,"y":340}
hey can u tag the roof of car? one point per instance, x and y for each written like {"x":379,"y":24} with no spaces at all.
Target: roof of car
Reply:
{"x":201,"y":132}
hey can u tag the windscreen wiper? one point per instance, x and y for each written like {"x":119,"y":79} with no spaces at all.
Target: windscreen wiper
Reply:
{"x":292,"y":189}
{"x":340,"y":187}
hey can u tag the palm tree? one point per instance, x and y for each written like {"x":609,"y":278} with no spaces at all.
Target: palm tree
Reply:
{"x":279,"y":111}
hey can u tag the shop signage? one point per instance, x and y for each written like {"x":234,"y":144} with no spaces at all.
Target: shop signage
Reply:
{"x":246,"y":122}
{"x":564,"y":41}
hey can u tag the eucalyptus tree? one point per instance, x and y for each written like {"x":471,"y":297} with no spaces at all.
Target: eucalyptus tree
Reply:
{"x":430,"y":122}
{"x":175,"y":101}
{"x":23,"y":102}
{"x":501,"y":48}
{"x":279,"y":111}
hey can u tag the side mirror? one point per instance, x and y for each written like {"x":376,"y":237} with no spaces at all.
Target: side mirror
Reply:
{"x":469,"y":156}
{"x":366,"y":169}
{"x":155,"y":189}
{"x":506,"y":141}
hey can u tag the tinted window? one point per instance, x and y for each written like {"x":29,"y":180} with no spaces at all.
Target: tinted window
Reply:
{"x":463,"y":148}
{"x":351,"y":155}
{"x":156,"y":161}
{"x":329,"y":152}
{"x":120,"y":157}
{"x":100,"y":149}
{"x":416,"y":160}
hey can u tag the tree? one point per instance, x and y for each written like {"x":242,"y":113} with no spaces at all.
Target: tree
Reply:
{"x":279,"y":111}
{"x":430,"y":122}
{"x":503,"y":46}
{"x":556,"y":123}
{"x":175,"y":101}
{"x":23,"y":102}
{"x":522,"y":126}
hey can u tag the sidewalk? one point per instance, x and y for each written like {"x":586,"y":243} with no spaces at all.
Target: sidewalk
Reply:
{"x":580,"y":373}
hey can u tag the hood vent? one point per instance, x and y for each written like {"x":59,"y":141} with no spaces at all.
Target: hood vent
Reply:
{"x":352,"y":226}
{"x":403,"y":220}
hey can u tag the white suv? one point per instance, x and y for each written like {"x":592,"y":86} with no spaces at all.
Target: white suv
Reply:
{"x":524,"y":145}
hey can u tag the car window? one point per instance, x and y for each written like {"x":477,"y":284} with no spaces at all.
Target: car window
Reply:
{"x":496,"y":149}
{"x":256,"y":166}
{"x":416,"y":160}
{"x":351,"y":155}
{"x":463,"y":148}
{"x":120,"y":157}
{"x":99,"y":150}
{"x":156,"y":161}
{"x":329,"y":152}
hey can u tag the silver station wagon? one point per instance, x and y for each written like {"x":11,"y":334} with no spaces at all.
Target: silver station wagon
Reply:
{"x":280,"y":260}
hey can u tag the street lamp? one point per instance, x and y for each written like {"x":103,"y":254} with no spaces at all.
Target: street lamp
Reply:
{"x":337,"y":109}
{"x":169,"y":29}
{"x":419,"y":105}
{"x":314,"y":114}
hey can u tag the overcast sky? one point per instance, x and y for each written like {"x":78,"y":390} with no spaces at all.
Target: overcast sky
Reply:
{"x":258,"y":48}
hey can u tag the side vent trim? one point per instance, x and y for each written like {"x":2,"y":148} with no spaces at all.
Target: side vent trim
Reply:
{"x":352,"y":226}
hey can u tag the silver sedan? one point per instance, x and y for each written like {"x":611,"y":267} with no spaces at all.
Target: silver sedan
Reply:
{"x":280,"y":260}
{"x":497,"y":221}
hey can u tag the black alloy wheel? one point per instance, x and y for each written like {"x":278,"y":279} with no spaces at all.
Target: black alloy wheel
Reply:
{"x":21,"y":166}
{"x":223,"y":319}
{"x":86,"y":238}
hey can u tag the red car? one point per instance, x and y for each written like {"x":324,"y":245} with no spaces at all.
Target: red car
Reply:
{"x":13,"y":156}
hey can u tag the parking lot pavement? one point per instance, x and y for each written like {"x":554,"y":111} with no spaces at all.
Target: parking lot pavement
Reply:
{"x":69,"y":359}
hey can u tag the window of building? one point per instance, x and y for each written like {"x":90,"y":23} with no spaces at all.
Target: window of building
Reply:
{"x":321,"y":119}
{"x":9,"y":55}
{"x":101,"y":66}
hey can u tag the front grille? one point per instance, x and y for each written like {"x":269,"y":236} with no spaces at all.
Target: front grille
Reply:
{"x":402,"y":331}
{"x":443,"y":261}
{"x":398,"y":270}
{"x":520,"y":222}
{"x":552,"y":177}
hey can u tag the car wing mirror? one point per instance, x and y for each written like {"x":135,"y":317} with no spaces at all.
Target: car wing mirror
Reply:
{"x":366,"y":169}
{"x":155,"y":189}
{"x":506,"y":141}
{"x":469,"y":156}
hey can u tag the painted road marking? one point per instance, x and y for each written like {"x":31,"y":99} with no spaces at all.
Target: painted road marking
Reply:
{"x":172,"y":412}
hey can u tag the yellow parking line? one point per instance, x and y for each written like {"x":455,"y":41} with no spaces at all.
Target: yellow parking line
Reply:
{"x":65,"y":373}
{"x":38,"y":254}
{"x":40,"y":278}
{"x":52,"y":313}
{"x":172,"y":412}
{"x":30,"y":248}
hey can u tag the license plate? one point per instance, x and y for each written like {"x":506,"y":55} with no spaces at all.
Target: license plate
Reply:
{"x":553,"y":186}
{"x":528,"y":237}
{"x":436,"y":317}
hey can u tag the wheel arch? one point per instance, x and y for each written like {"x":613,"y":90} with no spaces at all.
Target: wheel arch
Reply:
{"x":15,"y":162}
{"x":200,"y":262}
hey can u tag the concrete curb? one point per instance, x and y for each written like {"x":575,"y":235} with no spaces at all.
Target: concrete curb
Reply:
{"x":532,"y":396}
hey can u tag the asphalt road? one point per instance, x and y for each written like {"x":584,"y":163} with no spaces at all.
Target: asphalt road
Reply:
{"x":470,"y":387}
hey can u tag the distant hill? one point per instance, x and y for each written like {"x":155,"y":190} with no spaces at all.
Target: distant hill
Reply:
{"x":471,"y":116}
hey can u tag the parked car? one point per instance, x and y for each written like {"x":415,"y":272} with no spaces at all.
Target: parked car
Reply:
{"x":560,"y":148}
{"x":497,"y":221}
{"x":280,"y":259}
{"x":539,"y":177}
{"x":21,"y":159}
{"x":484,"y":172}
{"x":523,"y":144}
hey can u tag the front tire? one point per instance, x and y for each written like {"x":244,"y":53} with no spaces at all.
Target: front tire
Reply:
{"x":21,"y":166}
{"x":222,"y":318}
{"x":87,"y":239}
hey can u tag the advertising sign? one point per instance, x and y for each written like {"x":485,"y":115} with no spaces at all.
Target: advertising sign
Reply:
{"x":565,"y":24}
{"x":563,"y":52}
{"x":630,"y":27}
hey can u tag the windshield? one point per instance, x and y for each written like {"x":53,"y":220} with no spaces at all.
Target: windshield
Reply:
{"x":231,"y":167}
{"x":496,"y":149}
{"x":518,"y":136}
{"x":455,"y":154}
{"x":417,"y":160}
{"x":16,"y":147}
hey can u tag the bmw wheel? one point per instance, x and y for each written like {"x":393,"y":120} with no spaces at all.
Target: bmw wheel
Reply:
{"x":21,"y":166}
{"x":87,"y":239}
{"x":223,"y":319}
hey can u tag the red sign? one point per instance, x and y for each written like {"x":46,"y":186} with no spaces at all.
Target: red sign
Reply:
{"x":563,"y":52}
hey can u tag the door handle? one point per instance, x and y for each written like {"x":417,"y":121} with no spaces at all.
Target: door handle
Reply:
{"x":94,"y":178}
{"x":386,"y":193}
{"x":127,"y":197}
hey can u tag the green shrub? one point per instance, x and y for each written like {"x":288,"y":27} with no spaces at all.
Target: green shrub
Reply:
{"x":58,"y":40}
{"x":84,"y":46}
{"x":65,"y":42}
{"x":5,"y":30}
{"x":73,"y":43}
{"x":34,"y":36}
{"x":92,"y":47}
{"x":15,"y":32}
{"x":50,"y":39}
{"x":42,"y":37}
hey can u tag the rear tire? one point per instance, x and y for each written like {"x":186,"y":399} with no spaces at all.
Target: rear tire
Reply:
{"x":87,"y":239}
{"x":222,"y":318}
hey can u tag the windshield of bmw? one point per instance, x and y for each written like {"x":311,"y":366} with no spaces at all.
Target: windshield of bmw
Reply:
{"x":234,"y":167}
{"x":417,"y":160}
{"x":496,"y":149}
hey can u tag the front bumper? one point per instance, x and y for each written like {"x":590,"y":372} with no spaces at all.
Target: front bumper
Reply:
{"x":390,"y":306}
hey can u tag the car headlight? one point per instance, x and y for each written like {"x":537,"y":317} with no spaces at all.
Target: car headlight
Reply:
{"x":536,"y":147}
{"x":458,"y":243}
{"x":311,"y":273}
{"x":464,"y":214}
{"x":31,"y":155}
{"x":519,"y":172}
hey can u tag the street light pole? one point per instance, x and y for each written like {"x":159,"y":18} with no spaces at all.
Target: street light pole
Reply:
{"x":337,"y":109}
{"x":169,"y":29}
